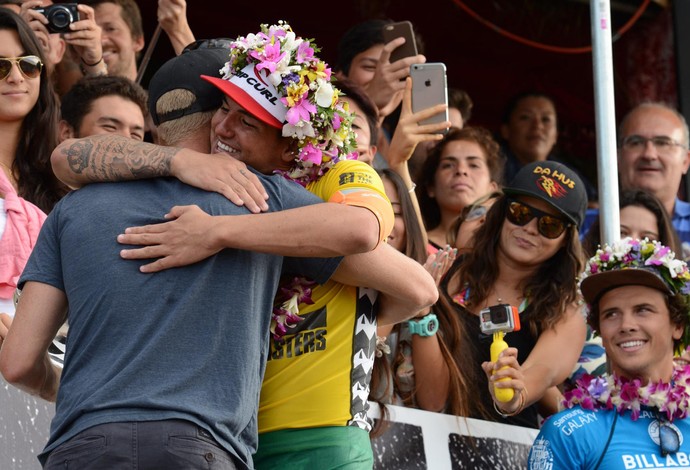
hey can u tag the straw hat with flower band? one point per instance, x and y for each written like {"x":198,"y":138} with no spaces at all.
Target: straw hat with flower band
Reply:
{"x":277,"y":78}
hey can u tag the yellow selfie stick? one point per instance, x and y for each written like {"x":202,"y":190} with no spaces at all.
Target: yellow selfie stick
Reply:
{"x":503,"y":395}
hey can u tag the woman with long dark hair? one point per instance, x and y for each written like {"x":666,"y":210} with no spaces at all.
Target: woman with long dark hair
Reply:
{"x":29,"y":113}
{"x":28,"y":131}
{"x":527,"y":255}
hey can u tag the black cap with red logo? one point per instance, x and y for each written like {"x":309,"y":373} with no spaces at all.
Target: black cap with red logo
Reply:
{"x":555,"y":184}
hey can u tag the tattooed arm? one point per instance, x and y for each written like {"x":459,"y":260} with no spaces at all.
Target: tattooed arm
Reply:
{"x":99,"y":158}
{"x":77,"y":162}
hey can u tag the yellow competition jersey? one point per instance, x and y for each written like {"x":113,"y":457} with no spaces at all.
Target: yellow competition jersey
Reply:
{"x":318,"y":374}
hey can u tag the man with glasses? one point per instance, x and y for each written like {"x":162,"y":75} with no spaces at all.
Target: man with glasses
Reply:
{"x":653,"y":155}
{"x":638,"y":295}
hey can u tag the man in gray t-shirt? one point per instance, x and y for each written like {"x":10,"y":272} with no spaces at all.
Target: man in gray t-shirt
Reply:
{"x":184,"y":344}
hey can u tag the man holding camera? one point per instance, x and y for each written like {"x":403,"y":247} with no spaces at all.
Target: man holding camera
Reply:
{"x":60,"y":25}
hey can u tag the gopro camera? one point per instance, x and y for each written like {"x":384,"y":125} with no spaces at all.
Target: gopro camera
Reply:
{"x":502,"y":317}
{"x":60,"y":16}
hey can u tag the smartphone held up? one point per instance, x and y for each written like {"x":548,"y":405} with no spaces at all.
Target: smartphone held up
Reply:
{"x":429,"y":88}
{"x":400,"y":29}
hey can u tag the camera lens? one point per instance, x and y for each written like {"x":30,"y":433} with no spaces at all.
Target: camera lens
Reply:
{"x":61,"y":18}
{"x":499,"y":315}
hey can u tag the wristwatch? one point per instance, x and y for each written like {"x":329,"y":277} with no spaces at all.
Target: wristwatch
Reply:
{"x":425,"y":326}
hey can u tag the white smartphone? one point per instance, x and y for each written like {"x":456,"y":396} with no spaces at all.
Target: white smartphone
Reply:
{"x":429,"y":88}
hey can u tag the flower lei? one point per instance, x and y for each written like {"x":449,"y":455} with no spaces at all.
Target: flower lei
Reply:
{"x":630,"y":253}
{"x":316,"y":117}
{"x":286,"y":305}
{"x":620,"y":393}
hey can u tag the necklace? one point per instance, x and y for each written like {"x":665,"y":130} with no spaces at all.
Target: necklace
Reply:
{"x":6,"y":167}
{"x":622,"y":394}
{"x":10,"y":173}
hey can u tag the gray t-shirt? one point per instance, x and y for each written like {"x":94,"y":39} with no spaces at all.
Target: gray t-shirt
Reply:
{"x":187,"y":343}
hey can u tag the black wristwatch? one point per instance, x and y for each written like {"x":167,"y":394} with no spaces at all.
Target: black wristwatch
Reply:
{"x":425,"y":326}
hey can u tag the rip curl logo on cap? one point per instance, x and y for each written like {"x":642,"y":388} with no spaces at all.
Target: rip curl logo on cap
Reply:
{"x":251,"y":81}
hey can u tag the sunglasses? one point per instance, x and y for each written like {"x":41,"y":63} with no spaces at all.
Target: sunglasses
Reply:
{"x":548,"y":225}
{"x":669,"y":440}
{"x":30,"y":66}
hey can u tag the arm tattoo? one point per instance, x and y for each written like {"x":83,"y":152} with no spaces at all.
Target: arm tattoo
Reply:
{"x":112,"y":158}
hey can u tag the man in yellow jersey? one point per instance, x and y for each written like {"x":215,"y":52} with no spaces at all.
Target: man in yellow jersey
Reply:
{"x":343,"y":337}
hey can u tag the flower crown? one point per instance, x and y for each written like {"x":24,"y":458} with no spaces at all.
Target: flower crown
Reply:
{"x":630,"y":253}
{"x":316,"y":117}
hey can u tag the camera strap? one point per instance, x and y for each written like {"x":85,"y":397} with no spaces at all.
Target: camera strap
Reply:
{"x":147,"y":55}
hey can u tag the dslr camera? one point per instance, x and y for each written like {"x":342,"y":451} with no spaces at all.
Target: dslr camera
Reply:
{"x":502,"y":317}
{"x":60,"y":16}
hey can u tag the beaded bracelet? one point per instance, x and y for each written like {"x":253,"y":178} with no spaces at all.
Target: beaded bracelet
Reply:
{"x":519,"y":409}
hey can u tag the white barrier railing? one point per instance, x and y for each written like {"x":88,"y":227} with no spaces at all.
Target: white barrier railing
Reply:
{"x":415,"y":439}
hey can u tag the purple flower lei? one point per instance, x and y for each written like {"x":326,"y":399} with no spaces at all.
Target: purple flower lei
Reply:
{"x":286,"y":305}
{"x":623,"y":394}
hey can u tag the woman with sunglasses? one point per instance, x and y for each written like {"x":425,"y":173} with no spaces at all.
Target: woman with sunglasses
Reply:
{"x":28,"y":118}
{"x":527,"y":255}
{"x":29,"y":112}
{"x":461,"y":168}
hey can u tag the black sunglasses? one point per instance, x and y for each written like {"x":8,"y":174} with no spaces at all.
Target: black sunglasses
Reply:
{"x":30,"y":66}
{"x":548,"y":225}
{"x":669,"y":440}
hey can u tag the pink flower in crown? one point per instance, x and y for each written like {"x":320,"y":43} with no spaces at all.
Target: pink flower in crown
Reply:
{"x":305,"y":53}
{"x":337,"y":119}
{"x":311,"y":153}
{"x":276,"y":31}
{"x":605,"y":257}
{"x":269,"y":58}
{"x":656,"y":258}
{"x":629,"y":258}
{"x":301,"y":111}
